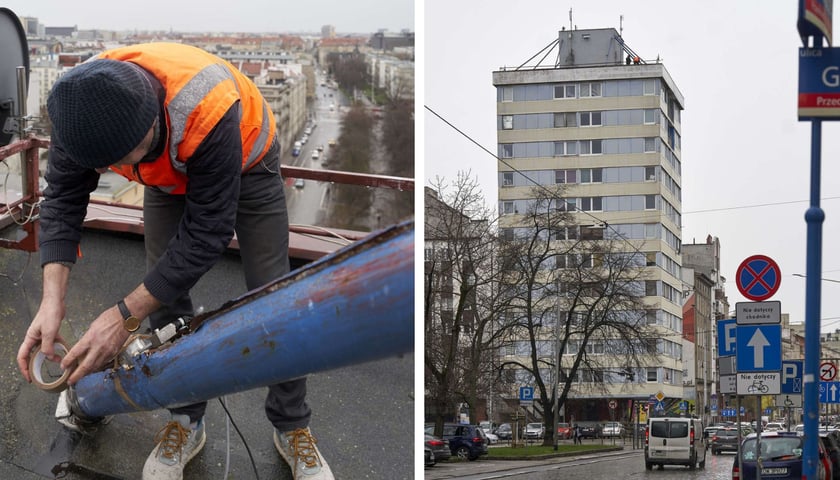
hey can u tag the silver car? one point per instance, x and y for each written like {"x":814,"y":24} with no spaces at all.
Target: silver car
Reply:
{"x":534,"y":430}
{"x":612,"y":429}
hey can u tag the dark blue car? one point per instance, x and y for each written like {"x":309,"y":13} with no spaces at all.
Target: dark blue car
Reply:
{"x":465,"y":441}
{"x":781,"y":457}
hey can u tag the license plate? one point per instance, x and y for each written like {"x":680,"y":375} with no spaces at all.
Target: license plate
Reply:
{"x":657,"y":453}
{"x":774,"y":471}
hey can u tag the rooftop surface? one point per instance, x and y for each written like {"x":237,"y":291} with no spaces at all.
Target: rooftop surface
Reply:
{"x":362,"y":415}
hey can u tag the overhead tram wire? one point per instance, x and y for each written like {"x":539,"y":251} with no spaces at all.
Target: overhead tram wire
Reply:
{"x":622,"y":237}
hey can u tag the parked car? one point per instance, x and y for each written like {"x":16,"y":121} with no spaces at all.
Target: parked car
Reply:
{"x":612,"y":429}
{"x":831,"y":443}
{"x":428,"y":457}
{"x":781,"y":455}
{"x":675,"y":441}
{"x":439,"y":447}
{"x":332,"y":142}
{"x":504,"y":431}
{"x":465,"y":441}
{"x":724,"y":440}
{"x":589,"y":430}
{"x":534,"y":431}
{"x":774,"y":427}
{"x":564,"y":431}
{"x":491,"y":437}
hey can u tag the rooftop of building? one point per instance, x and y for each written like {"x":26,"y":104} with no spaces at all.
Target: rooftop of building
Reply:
{"x":361,"y":436}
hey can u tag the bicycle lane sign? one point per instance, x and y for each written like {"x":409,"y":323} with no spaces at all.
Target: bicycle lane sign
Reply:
{"x":759,"y":383}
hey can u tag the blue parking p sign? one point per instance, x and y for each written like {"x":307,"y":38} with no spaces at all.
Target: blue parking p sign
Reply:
{"x":791,"y":377}
{"x":726,"y":337}
{"x":526,"y":393}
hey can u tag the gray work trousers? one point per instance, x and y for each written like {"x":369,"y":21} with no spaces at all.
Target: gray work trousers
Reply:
{"x":262,"y":229}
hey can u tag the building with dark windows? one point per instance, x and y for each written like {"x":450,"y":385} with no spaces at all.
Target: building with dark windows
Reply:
{"x":604,"y":123}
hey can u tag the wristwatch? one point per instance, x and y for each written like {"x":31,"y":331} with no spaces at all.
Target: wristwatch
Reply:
{"x":130,"y":322}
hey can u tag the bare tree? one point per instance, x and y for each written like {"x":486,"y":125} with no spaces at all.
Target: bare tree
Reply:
{"x":459,"y":297}
{"x":576,"y":300}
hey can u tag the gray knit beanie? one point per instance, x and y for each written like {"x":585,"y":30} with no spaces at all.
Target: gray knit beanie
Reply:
{"x":101,"y":110}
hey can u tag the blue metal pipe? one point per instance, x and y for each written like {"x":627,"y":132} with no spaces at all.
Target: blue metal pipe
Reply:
{"x":352,"y":306}
{"x":814,"y":218}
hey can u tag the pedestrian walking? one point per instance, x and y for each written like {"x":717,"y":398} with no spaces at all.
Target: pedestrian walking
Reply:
{"x":577,"y":434}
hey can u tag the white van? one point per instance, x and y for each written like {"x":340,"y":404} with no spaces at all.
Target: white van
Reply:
{"x":675,"y":441}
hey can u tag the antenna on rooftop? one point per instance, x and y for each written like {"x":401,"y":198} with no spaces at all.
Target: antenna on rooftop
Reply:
{"x":14,"y":76}
{"x":571,"y":26}
{"x":621,"y":26}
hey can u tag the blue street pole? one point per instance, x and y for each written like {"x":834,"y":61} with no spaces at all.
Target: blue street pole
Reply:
{"x":814,"y":217}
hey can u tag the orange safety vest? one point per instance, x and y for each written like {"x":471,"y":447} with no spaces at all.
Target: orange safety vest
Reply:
{"x":200,"y":89}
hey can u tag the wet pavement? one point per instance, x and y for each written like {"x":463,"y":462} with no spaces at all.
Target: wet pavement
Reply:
{"x":363,"y":415}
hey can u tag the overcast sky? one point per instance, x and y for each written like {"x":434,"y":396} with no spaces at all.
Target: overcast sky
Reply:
{"x":348,"y":16}
{"x":745,"y":156}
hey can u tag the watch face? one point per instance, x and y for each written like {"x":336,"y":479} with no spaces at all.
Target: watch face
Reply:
{"x":131,"y":323}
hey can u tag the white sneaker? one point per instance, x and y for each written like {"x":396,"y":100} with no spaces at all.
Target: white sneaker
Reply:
{"x":177,"y":444}
{"x":298,"y":450}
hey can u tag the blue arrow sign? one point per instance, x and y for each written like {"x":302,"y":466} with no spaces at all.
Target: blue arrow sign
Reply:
{"x":791,"y":376}
{"x":829,"y":392}
{"x":759,"y":348}
{"x":726,"y":337}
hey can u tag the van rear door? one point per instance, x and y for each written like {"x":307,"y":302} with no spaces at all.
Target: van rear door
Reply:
{"x":669,"y":439}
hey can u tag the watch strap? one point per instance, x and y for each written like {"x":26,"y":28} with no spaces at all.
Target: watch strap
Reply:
{"x":124,"y":311}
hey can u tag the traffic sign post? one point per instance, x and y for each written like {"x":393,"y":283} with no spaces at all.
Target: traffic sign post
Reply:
{"x":828,"y":371}
{"x":758,"y":277}
{"x":814,"y":24}
{"x":792,"y":377}
{"x":526,"y":396}
{"x":759,"y":348}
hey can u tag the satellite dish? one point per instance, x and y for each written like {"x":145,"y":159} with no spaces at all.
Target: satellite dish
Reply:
{"x":14,"y":52}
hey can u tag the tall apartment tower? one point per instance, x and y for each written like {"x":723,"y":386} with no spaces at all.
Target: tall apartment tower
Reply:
{"x":606,"y":123}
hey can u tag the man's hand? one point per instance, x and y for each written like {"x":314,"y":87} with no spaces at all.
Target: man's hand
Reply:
{"x":99,"y":345}
{"x":44,"y":331}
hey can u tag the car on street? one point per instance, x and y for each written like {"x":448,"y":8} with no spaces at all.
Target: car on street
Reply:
{"x":316,"y":154}
{"x":534,"y":431}
{"x":504,"y":431}
{"x":428,"y":457}
{"x":492,"y":438}
{"x":439,"y":447}
{"x":299,"y":183}
{"x":774,"y":427}
{"x":724,"y":440}
{"x":781,"y":457}
{"x":589,"y":430}
{"x":675,"y":441}
{"x":831,"y":442}
{"x":564,"y":431}
{"x":612,"y":429}
{"x":321,"y":148}
{"x":465,"y":441}
{"x":332,"y":142}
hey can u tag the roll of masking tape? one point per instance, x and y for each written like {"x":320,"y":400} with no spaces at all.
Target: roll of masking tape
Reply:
{"x":36,"y":364}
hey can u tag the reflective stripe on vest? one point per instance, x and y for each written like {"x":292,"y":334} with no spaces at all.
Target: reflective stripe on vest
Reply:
{"x":197,"y":97}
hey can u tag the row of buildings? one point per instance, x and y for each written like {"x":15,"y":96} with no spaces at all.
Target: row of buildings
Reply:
{"x":286,"y":68}
{"x":604,"y":125}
